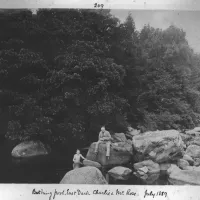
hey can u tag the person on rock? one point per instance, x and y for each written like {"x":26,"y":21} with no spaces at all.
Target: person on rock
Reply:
{"x":77,"y":159}
{"x":104,"y":137}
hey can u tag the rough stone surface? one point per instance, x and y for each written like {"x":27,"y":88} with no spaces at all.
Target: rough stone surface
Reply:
{"x":148,"y":179}
{"x":195,"y":141}
{"x":193,"y":151}
{"x":197,"y":129}
{"x":194,"y":132}
{"x":84,"y":175}
{"x":143,"y":170}
{"x":197,"y":162}
{"x":120,"y":173}
{"x":132,"y":131}
{"x":189,"y":159}
{"x":183,"y":163}
{"x":159,"y":146}
{"x":164,"y":166}
{"x":152,"y":166}
{"x":186,"y":138}
{"x":29,"y":149}
{"x":119,"y":137}
{"x":183,"y":177}
{"x":173,"y":169}
{"x":120,"y":154}
{"x":91,"y":163}
{"x":192,"y":168}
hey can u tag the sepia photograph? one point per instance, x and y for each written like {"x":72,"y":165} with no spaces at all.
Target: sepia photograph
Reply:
{"x":99,"y":96}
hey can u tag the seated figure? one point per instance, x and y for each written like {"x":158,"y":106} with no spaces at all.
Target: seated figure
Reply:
{"x":104,"y":136}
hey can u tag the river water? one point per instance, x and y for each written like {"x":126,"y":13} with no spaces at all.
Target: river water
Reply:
{"x":44,"y":169}
{"x":40,"y":169}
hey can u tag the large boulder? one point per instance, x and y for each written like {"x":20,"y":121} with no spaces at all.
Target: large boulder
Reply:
{"x":147,"y":171}
{"x":131,"y":131}
{"x":149,"y":179}
{"x":164,"y":166}
{"x":119,"y":137}
{"x":183,"y":163}
{"x":192,"y":168}
{"x":197,"y":162}
{"x":173,"y":169}
{"x":30,"y":149}
{"x":194,"y":132}
{"x":120,"y":173}
{"x":193,"y":151}
{"x":91,"y":163}
{"x":149,"y":164}
{"x":84,"y":175}
{"x":189,"y":159}
{"x":159,"y":146}
{"x":120,"y":153}
{"x":195,"y":141}
{"x":183,"y":177}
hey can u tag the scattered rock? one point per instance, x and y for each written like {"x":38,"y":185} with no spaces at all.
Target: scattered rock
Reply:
{"x":159,"y":146}
{"x":195,"y":141}
{"x":149,"y":164}
{"x":186,"y":138}
{"x":119,"y":137}
{"x":183,"y":163}
{"x":197,"y":129}
{"x":194,"y":132}
{"x":147,"y":171}
{"x":120,"y":173}
{"x":193,"y":151}
{"x":143,"y":170}
{"x":192,"y":168}
{"x":91,"y":163}
{"x":132,"y":131}
{"x":84,"y":175}
{"x":173,"y":169}
{"x":119,"y":154}
{"x":164,"y":166}
{"x":148,"y":179}
{"x":29,"y":149}
{"x":197,"y":162}
{"x":182,"y":177}
{"x":189,"y":159}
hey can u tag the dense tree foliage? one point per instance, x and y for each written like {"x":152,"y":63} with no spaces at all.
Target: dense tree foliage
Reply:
{"x":65,"y":73}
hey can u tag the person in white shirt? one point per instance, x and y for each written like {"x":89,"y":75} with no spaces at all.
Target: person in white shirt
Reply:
{"x":104,"y":136}
{"x":77,"y":159}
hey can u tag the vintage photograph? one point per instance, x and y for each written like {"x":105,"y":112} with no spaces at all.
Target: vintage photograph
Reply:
{"x":100,"y":96}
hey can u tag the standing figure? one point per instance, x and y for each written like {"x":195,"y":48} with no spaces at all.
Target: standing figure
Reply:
{"x":77,"y":159}
{"x":104,"y":136}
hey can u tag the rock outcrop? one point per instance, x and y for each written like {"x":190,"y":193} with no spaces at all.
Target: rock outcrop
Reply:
{"x":189,"y":159}
{"x":173,"y":169}
{"x":195,"y":131}
{"x":120,"y":173}
{"x":120,"y":153}
{"x":193,"y":151}
{"x":151,"y":166}
{"x":190,"y":175}
{"x":148,"y":171}
{"x":84,"y":175}
{"x":183,"y":177}
{"x":183,"y":163}
{"x":159,"y":146}
{"x":30,"y":149}
{"x":164,"y":166}
{"x":91,"y":163}
{"x":119,"y":137}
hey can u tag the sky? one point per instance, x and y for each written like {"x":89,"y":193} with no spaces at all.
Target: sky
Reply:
{"x":184,"y":14}
{"x":189,"y":21}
